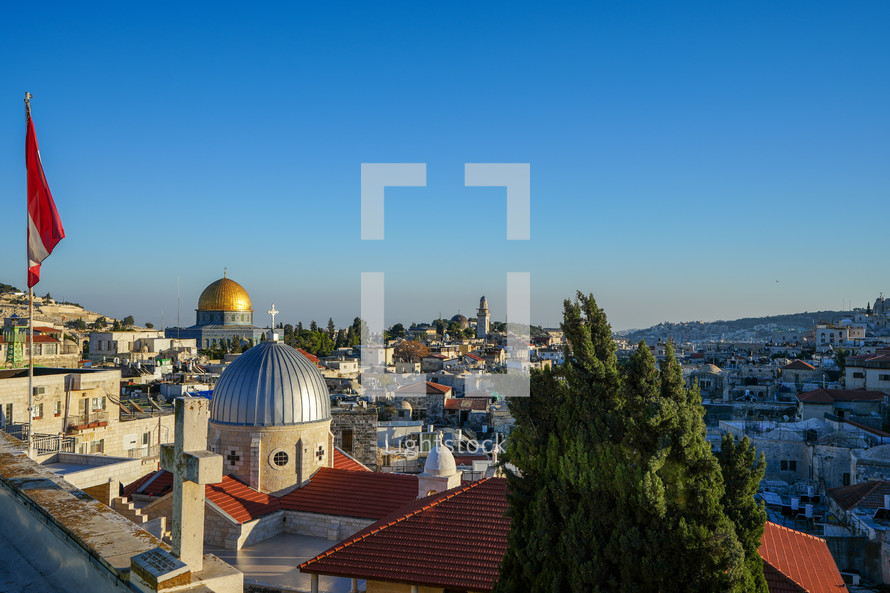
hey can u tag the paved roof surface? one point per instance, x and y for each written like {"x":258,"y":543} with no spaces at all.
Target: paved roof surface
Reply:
{"x":455,"y":539}
{"x":802,"y":558}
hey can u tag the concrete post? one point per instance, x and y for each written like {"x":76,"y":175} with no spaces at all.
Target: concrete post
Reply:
{"x":354,"y":588}
{"x":314,"y":586}
{"x":192,"y":467}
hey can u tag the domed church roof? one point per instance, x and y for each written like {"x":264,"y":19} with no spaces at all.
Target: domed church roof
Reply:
{"x":270,"y":385}
{"x":224,"y":295}
{"x":462,"y":320}
{"x":440,"y":461}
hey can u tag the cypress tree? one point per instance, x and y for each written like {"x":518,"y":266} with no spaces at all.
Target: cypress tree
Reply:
{"x":742,"y":471}
{"x":617,"y":489}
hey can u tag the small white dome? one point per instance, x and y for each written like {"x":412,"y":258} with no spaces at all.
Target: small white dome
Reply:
{"x":440,"y":461}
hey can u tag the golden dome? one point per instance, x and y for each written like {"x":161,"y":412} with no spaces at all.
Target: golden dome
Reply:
{"x":224,"y":295}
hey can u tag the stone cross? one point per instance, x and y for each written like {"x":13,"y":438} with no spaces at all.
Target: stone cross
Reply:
{"x":273,"y":312}
{"x":192,"y":467}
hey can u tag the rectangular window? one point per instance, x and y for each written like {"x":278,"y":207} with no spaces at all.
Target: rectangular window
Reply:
{"x":784,"y":465}
{"x":39,"y":391}
{"x":858,"y":375}
{"x":8,"y":417}
{"x":884,"y":377}
{"x":792,"y":465}
{"x":37,"y":411}
{"x":846,"y":479}
{"x":57,"y":408}
{"x":146,"y":438}
{"x":97,"y":446}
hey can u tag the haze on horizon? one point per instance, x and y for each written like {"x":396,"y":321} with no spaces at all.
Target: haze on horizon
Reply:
{"x":710,"y":162}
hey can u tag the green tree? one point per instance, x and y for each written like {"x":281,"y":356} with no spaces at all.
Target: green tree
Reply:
{"x":128,"y":321}
{"x":116,"y":326}
{"x":397,"y":332}
{"x":742,"y":470}
{"x":149,"y":325}
{"x":79,"y":324}
{"x":313,"y":327}
{"x":617,"y":490}
{"x":47,"y":297}
{"x":331,"y":327}
{"x":100,"y":323}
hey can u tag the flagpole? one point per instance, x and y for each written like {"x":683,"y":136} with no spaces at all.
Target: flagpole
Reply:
{"x":30,"y":317}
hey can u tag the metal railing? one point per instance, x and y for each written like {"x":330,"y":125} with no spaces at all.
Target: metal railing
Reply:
{"x":81,"y":419}
{"x":48,"y":443}
{"x":17,"y":430}
{"x":144,"y":451}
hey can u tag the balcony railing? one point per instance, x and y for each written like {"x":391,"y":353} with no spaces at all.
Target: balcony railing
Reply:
{"x":84,"y":420}
{"x":48,"y":443}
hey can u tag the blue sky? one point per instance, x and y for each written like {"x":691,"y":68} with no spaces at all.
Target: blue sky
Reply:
{"x":684,"y":156}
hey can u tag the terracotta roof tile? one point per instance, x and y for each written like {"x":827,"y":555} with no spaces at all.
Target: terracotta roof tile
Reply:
{"x":798,"y":365}
{"x":867,"y":494}
{"x":347,"y":493}
{"x":802,"y":558}
{"x":341,"y":492}
{"x":344,"y":461}
{"x":429,"y":389}
{"x":467,"y":404}
{"x":455,"y":539}
{"x":828,"y":396}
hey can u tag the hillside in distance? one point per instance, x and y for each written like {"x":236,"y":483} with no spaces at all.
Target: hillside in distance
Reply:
{"x":691,"y":330}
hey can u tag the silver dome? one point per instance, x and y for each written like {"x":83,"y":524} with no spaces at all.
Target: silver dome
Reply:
{"x":270,"y":385}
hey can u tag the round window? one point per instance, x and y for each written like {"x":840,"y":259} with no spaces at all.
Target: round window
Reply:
{"x":280,"y":459}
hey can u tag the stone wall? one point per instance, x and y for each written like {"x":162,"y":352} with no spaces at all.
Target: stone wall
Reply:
{"x":363,"y":424}
{"x":249,"y":452}
{"x":383,"y":587}
{"x":865,"y":470}
{"x":777,"y":451}
{"x":326,"y":526}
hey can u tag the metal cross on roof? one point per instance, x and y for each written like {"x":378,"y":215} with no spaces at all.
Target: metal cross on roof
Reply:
{"x":273,"y":312}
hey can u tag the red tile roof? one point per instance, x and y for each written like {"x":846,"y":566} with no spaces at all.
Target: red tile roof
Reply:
{"x":157,"y":483}
{"x":346,"y":493}
{"x":798,"y":365}
{"x":866,"y":494}
{"x":475,"y":357}
{"x":430,"y":389}
{"x":828,"y":396}
{"x":38,"y":339}
{"x":344,"y":461}
{"x":341,"y":492}
{"x":776,"y":582}
{"x":802,"y":558}
{"x":867,"y":428}
{"x":466,"y":404}
{"x":312,"y":358}
{"x":455,"y":539}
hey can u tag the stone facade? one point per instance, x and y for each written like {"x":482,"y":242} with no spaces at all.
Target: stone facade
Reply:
{"x":355,"y":433}
{"x":273,"y":458}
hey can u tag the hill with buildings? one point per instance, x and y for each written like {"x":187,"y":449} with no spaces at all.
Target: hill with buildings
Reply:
{"x":750,"y":326}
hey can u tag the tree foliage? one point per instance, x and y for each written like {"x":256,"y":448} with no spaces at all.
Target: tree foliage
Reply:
{"x":742,"y":470}
{"x":409,"y":351}
{"x":617,"y":489}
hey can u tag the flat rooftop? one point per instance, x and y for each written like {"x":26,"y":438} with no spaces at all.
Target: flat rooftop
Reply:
{"x":275,"y":561}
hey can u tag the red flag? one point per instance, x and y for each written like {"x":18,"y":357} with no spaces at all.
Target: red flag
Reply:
{"x":44,"y":226}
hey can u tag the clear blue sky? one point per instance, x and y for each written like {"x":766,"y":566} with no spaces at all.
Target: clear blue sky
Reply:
{"x":684,"y":156}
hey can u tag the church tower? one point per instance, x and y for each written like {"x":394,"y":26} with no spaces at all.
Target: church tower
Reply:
{"x":483,"y":318}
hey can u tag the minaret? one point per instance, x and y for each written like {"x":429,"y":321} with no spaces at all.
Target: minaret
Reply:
{"x":483,"y":318}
